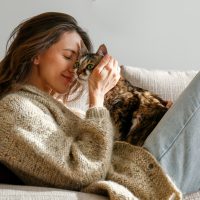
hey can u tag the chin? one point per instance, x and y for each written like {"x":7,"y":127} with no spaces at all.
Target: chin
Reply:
{"x":63,"y":91}
{"x":60,"y":90}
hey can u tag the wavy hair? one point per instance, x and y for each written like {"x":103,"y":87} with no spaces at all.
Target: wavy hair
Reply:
{"x":29,"y":39}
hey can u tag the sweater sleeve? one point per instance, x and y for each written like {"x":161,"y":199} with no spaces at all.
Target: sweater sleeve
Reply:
{"x":43,"y":149}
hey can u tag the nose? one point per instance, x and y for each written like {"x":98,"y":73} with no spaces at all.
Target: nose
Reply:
{"x":71,"y":68}
{"x":71,"y":71}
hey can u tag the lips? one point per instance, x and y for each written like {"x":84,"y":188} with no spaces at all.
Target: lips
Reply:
{"x":67,"y":78}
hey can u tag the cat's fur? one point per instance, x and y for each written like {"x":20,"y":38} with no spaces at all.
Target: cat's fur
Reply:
{"x":135,"y":111}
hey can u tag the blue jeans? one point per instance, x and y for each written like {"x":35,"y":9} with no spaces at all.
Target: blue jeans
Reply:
{"x":175,"y":142}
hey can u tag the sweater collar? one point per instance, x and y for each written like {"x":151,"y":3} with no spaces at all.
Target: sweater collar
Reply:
{"x":34,"y":90}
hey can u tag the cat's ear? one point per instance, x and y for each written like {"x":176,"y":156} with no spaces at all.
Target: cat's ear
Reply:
{"x":102,"y":50}
{"x":83,"y":49}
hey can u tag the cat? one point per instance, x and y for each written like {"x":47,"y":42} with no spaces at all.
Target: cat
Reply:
{"x":134,"y":111}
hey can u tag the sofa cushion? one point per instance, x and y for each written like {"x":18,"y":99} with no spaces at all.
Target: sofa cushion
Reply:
{"x":13,"y":192}
{"x":166,"y":83}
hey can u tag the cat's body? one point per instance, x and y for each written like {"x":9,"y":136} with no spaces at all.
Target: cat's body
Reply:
{"x":135,"y":111}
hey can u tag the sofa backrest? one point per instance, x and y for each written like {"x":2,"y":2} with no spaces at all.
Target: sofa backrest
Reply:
{"x":167,"y":83}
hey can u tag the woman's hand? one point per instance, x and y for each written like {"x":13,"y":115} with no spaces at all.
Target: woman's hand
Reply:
{"x":103,"y":78}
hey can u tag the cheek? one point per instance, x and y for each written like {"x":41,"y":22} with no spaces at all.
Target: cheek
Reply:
{"x":51,"y":65}
{"x":47,"y":69}
{"x":45,"y":73}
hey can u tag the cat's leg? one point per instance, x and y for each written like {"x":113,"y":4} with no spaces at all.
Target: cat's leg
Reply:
{"x":175,"y":142}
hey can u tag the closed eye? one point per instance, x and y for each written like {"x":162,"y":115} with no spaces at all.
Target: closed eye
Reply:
{"x":68,"y":57}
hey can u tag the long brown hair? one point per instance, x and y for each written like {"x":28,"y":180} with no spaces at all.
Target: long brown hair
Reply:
{"x":29,"y":39}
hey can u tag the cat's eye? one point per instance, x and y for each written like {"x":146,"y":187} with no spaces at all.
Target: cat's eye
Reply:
{"x":76,"y":65}
{"x":90,"y":66}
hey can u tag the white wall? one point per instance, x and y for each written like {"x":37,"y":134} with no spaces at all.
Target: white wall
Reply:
{"x":162,"y":34}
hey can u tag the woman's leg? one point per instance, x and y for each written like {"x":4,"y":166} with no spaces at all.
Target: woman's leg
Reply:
{"x":175,"y":142}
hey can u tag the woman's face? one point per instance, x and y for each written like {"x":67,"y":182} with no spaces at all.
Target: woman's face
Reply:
{"x":53,"y":69}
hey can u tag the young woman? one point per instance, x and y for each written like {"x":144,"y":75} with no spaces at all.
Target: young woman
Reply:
{"x":45,"y":144}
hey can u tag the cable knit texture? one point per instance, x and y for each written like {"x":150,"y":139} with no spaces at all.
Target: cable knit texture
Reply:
{"x":46,"y":144}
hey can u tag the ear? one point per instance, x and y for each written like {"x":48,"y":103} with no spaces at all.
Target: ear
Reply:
{"x":36,"y":60}
{"x":83,"y":49}
{"x":102,"y":50}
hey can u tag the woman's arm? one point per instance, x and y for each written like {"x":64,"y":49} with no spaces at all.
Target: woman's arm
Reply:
{"x":49,"y":151}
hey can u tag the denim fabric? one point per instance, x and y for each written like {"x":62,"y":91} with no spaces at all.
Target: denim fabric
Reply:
{"x":175,"y":142}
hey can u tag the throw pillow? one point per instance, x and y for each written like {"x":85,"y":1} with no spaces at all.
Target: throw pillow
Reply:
{"x":166,"y":83}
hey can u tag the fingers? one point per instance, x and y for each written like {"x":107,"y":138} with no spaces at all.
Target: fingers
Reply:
{"x":105,"y":75}
{"x":117,"y":68}
{"x":113,"y":74}
{"x":109,"y":69}
{"x":108,"y":66}
{"x":104,"y":62}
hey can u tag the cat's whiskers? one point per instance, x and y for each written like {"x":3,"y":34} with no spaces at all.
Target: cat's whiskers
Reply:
{"x":82,"y":79}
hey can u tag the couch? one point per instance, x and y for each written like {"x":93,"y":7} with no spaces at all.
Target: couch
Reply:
{"x":167,"y":83}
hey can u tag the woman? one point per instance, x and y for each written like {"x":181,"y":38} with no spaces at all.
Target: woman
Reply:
{"x":45,"y":144}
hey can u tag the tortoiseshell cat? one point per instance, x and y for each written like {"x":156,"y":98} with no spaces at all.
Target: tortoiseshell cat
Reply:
{"x":135,"y":111}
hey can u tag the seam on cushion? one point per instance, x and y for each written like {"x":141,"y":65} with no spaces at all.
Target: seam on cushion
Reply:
{"x":173,"y":141}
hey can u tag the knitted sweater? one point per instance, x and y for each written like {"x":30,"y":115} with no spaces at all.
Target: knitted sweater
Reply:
{"x":46,"y":144}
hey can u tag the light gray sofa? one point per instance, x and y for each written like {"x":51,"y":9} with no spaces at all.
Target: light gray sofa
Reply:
{"x":167,"y":83}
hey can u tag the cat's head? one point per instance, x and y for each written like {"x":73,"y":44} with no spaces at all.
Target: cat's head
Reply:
{"x":87,"y":62}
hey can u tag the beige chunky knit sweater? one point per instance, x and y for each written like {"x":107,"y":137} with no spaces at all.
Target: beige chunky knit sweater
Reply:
{"x":45,"y":144}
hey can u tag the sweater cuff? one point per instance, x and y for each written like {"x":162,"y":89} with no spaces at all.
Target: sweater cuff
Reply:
{"x":97,"y":112}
